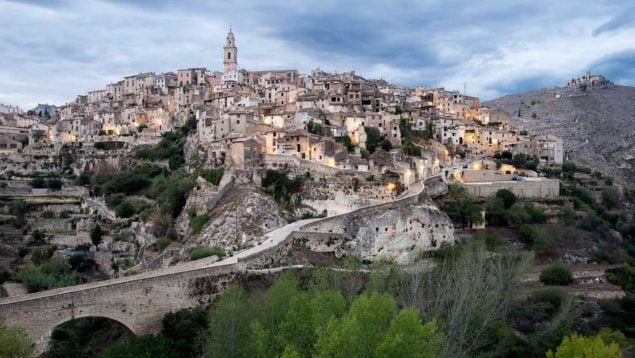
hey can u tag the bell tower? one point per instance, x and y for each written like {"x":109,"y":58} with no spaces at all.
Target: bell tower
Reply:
{"x":230,"y":53}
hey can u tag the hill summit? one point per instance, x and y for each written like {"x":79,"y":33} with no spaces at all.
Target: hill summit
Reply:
{"x":596,"y":121}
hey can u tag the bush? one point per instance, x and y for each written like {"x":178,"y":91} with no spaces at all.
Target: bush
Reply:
{"x":508,"y":198}
{"x":347,"y":142}
{"x":213,"y":176}
{"x":42,"y":255}
{"x":146,"y":214}
{"x":162,"y":243}
{"x":125,"y":210}
{"x":537,"y":214}
{"x":552,"y":298}
{"x":141,"y":346}
{"x":183,"y":327}
{"x":198,"y":222}
{"x":54,"y":273}
{"x":47,"y":214}
{"x":557,"y":274}
{"x":96,"y":234}
{"x":578,"y":346}
{"x":284,"y":190}
{"x":37,"y":237}
{"x":206,"y":251}
{"x":38,"y":183}
{"x":568,"y":167}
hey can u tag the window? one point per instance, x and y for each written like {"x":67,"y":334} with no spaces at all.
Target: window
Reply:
{"x":229,"y":55}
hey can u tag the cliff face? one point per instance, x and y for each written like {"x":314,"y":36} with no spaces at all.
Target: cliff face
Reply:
{"x":597,"y":125}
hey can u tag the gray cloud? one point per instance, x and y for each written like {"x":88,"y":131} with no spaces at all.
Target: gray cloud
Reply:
{"x":55,"y":50}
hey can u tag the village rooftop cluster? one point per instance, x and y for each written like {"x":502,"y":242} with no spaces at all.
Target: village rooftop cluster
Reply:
{"x":254,"y":118}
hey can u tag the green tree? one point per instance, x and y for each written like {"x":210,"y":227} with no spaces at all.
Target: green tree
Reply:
{"x":15,"y":342}
{"x":576,"y":346}
{"x":308,"y":314}
{"x":229,"y":330}
{"x":408,"y":337}
{"x":462,"y":207}
{"x":271,"y":314}
{"x":142,"y":347}
{"x":557,"y":274}
{"x":182,"y":329}
{"x":611,"y":196}
{"x":291,"y":352}
{"x":125,"y":210}
{"x":508,"y":198}
{"x":609,"y":336}
{"x":373,"y":139}
{"x":96,"y":234}
{"x":360,"y":330}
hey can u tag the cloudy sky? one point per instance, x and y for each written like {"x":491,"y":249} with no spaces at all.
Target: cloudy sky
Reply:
{"x":52,"y":51}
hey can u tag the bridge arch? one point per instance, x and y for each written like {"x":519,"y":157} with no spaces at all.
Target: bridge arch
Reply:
{"x":42,"y":338}
{"x":80,"y":331}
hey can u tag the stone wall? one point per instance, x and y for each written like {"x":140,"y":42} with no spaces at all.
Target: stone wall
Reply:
{"x":528,"y":188}
{"x":341,"y":194}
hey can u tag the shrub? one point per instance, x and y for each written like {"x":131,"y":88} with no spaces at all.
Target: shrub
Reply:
{"x":37,"y":237}
{"x":125,"y":210}
{"x":183,"y":327}
{"x":537,"y":214}
{"x":578,"y":346}
{"x":198,"y":222}
{"x":553,"y":298}
{"x":42,"y":255}
{"x":64,"y":215}
{"x":146,"y":214}
{"x":508,"y":198}
{"x":557,"y":274}
{"x":609,"y":336}
{"x":611,"y":196}
{"x":205,"y":251}
{"x":47,"y":214}
{"x":347,"y":142}
{"x":213,"y":176}
{"x":53,"y":273}
{"x":96,"y":234}
{"x":38,"y":183}
{"x":568,"y":167}
{"x":162,"y":243}
{"x":283,"y":189}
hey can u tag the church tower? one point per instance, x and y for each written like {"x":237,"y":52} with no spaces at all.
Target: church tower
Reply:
{"x":230,"y":60}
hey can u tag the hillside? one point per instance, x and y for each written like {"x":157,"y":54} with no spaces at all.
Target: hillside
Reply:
{"x":598,"y":127}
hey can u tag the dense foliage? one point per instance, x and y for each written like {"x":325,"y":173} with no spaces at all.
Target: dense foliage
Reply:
{"x":170,"y":147}
{"x":15,"y":342}
{"x":374,"y":140}
{"x":200,"y":252}
{"x":577,"y":346}
{"x":52,"y":273}
{"x":213,"y":176}
{"x":285,"y":191}
{"x":556,"y":274}
{"x":461,"y":207}
{"x":347,"y":142}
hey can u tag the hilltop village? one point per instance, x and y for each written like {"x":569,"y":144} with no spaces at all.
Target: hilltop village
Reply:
{"x":350,"y":142}
{"x":248,"y":118}
{"x":170,"y":188}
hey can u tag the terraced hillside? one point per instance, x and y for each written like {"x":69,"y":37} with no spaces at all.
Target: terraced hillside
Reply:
{"x":598,"y":125}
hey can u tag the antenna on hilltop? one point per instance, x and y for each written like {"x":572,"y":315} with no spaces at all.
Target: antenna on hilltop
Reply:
{"x":464,"y":88}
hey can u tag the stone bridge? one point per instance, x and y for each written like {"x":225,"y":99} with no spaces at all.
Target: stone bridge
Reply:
{"x":139,"y":302}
